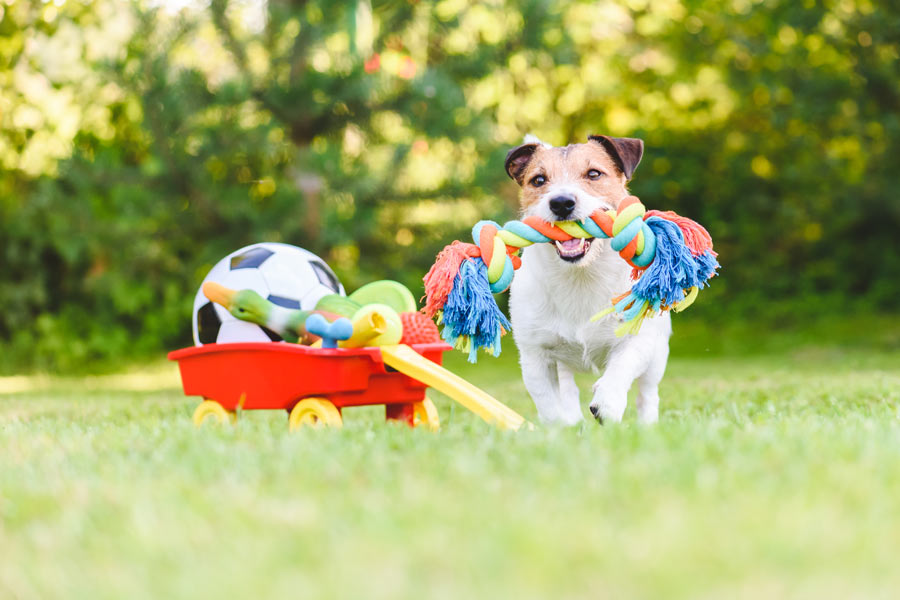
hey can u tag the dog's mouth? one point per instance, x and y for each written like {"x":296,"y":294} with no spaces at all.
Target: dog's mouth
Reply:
{"x":573,"y":250}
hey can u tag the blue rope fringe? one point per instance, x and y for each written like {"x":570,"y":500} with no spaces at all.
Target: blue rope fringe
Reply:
{"x":471,"y":315}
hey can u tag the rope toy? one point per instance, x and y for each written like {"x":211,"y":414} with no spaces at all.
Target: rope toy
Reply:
{"x":671,"y":256}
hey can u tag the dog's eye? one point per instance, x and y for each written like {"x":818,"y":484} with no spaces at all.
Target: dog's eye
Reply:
{"x":538,"y":180}
{"x":594,"y":174}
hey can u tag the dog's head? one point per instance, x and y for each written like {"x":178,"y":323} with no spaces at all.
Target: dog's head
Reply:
{"x":569,"y":183}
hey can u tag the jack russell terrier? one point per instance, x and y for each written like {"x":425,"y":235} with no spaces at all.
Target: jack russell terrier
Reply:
{"x":560,"y":286}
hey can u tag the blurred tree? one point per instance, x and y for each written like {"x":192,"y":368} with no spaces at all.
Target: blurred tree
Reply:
{"x":140,"y":145}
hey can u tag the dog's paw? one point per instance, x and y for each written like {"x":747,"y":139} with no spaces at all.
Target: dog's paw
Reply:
{"x":548,"y":417}
{"x":559,"y":418}
{"x":607,"y":405}
{"x":572,"y":419}
{"x":595,"y":410}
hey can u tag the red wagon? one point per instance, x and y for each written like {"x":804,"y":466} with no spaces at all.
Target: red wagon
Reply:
{"x":312,"y":384}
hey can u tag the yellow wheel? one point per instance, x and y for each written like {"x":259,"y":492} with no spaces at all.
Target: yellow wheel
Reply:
{"x":315,"y":412}
{"x":213,"y":412}
{"x":425,"y":414}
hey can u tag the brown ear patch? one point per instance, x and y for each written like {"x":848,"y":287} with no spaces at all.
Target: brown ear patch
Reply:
{"x":517,"y":160}
{"x":626,"y":152}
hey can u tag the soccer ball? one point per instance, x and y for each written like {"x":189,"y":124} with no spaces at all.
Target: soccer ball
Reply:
{"x":287,"y":275}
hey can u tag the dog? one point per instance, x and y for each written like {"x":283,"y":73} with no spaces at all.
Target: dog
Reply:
{"x":560,"y":286}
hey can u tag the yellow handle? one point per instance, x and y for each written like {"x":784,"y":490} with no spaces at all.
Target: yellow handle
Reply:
{"x":366,"y":327}
{"x":373,"y":325}
{"x":409,"y":362}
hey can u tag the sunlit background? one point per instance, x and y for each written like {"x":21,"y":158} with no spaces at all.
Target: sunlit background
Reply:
{"x":141,"y":142}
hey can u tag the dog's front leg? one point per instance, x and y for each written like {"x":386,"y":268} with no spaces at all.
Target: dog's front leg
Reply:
{"x":648,"y":385}
{"x":542,"y":382}
{"x":626,"y":363}
{"x":569,"y":407}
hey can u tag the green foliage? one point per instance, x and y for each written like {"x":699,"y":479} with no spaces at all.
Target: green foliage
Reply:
{"x":138,"y":146}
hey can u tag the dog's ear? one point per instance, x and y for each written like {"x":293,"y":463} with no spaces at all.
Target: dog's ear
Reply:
{"x":517,"y":159}
{"x":627,"y":152}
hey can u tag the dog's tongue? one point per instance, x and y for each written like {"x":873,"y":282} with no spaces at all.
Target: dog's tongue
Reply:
{"x":573,"y":247}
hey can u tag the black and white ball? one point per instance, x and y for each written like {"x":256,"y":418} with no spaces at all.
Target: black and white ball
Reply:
{"x":287,"y":275}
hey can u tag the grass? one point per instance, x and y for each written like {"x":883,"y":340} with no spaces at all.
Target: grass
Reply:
{"x":768,"y":476}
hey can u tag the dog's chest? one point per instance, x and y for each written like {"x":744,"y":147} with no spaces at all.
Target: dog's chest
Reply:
{"x":567,"y":334}
{"x":551,"y":308}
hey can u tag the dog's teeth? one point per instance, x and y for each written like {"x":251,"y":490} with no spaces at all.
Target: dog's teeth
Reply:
{"x":572,"y":247}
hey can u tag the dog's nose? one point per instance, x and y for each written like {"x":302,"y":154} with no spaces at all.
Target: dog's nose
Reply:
{"x":562,"y":206}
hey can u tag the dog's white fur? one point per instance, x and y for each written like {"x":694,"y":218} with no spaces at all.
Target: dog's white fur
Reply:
{"x":551,"y":303}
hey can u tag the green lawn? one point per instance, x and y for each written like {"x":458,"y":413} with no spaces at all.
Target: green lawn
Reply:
{"x":766,"y":477}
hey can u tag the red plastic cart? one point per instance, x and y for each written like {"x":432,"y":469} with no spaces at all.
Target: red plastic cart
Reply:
{"x":312,"y":384}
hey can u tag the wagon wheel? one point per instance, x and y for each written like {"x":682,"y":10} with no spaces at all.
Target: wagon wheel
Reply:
{"x":425,"y":414}
{"x":212,"y":411}
{"x":314,"y":412}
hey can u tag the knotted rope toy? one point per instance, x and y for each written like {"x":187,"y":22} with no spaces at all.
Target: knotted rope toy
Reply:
{"x":671,"y":256}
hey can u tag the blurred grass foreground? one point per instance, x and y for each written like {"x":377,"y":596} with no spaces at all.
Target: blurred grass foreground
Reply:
{"x":140,"y":142}
{"x":766,"y":477}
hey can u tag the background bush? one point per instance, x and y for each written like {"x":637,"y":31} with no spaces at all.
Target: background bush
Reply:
{"x":139,"y":144}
